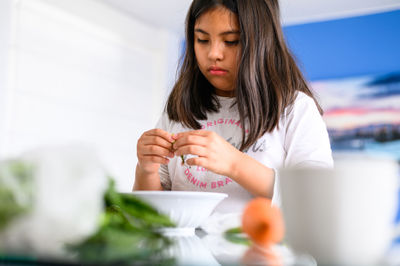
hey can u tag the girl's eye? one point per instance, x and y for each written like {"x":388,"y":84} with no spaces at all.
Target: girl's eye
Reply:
{"x":202,"y":41}
{"x":232,"y":43}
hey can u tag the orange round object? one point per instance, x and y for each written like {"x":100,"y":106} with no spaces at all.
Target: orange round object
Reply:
{"x":262,"y":256}
{"x":262,"y":222}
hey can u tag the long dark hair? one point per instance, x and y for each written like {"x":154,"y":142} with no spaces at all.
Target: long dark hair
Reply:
{"x":268,"y":77}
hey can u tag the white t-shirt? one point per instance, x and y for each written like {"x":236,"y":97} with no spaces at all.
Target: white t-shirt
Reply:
{"x":300,"y":140}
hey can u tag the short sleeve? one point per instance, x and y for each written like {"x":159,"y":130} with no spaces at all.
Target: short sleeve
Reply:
{"x":306,"y":139}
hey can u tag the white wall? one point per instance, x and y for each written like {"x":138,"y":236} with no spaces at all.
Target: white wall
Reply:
{"x":308,"y":11}
{"x":81,"y":71}
{"x":5,"y":31}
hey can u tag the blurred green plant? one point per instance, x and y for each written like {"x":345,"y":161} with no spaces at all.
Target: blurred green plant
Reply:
{"x":236,"y":236}
{"x":128,"y":234}
{"x":16,"y":190}
{"x":128,"y":231}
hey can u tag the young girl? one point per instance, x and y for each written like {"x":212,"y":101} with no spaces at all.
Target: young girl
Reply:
{"x":239,"y":111}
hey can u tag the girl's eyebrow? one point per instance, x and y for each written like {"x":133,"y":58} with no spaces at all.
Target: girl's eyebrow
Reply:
{"x":222,"y":33}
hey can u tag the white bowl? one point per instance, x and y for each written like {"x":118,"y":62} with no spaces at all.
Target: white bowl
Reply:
{"x":188,"y":209}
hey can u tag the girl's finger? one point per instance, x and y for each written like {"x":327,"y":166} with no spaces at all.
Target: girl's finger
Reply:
{"x":199,"y":132}
{"x":156,"y":150}
{"x":156,"y":140}
{"x":191,"y":139}
{"x":198,"y":161}
{"x":154,"y":159}
{"x":160,"y":133}
{"x":192,"y":149}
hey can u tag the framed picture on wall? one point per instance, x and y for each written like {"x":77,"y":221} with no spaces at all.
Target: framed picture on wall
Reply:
{"x":362,"y":113}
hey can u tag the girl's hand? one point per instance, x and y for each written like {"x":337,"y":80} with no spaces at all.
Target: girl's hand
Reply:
{"x":214,"y":153}
{"x":153,"y":148}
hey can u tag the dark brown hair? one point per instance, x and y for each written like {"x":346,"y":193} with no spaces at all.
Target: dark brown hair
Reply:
{"x":268,"y":77}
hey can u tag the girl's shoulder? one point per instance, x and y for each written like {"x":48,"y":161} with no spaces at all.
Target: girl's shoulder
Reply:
{"x":302,"y":101}
{"x":302,"y":97}
{"x":303,"y":105}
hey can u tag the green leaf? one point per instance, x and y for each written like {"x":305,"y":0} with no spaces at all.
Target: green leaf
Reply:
{"x":236,"y":235}
{"x":21,"y":176}
{"x":9,"y":208}
{"x":128,"y":233}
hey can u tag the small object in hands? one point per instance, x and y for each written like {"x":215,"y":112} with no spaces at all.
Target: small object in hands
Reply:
{"x":183,"y":163}
{"x":262,"y":222}
{"x":182,"y":156}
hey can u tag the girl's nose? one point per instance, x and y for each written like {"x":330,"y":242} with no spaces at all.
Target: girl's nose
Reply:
{"x":216,"y":52}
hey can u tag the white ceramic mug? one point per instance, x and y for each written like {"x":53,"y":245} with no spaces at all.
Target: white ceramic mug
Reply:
{"x":345,"y":215}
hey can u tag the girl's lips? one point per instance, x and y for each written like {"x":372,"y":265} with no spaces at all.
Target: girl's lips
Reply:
{"x":217,"y":71}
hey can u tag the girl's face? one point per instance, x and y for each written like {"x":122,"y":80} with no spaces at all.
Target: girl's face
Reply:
{"x":217,"y":48}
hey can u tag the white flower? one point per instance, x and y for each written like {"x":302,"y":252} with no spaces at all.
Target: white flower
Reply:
{"x":68,"y":188}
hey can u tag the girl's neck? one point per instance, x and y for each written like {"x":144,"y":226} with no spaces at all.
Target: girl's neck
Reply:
{"x":226,"y":94}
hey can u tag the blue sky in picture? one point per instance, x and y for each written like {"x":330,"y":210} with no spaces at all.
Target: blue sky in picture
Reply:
{"x":355,"y":46}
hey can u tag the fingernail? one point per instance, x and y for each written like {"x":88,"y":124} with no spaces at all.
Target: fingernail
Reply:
{"x":171,"y":155}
